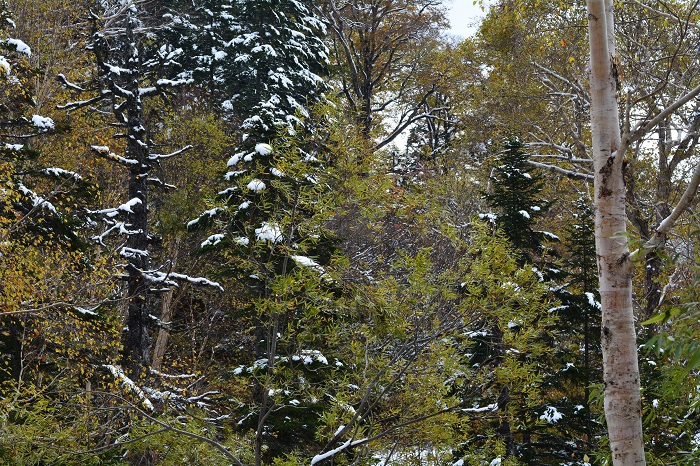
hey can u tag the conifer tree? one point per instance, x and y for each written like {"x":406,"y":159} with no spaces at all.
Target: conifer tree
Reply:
{"x":576,"y":365}
{"x":273,"y":241}
{"x":516,"y":195}
{"x":131,"y":68}
{"x":516,"y":189}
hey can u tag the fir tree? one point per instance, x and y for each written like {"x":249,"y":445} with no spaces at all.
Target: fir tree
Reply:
{"x":516,"y":189}
{"x":131,"y":68}
{"x":271,"y":237}
{"x":579,"y":314}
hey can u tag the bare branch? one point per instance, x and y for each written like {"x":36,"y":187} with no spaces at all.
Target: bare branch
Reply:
{"x":645,"y":127}
{"x":685,"y":201}
{"x":568,"y":173}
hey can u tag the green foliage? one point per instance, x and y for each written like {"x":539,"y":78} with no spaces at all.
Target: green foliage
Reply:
{"x":507,"y":349}
{"x":516,"y":197}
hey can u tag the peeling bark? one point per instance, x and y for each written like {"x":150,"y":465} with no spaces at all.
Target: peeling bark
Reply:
{"x":623,"y":412}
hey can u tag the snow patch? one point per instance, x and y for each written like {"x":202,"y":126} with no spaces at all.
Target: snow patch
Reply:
{"x":592,"y":301}
{"x":269,"y":232}
{"x":551,"y":415}
{"x":42,"y":122}
{"x":212,"y":240}
{"x":263,"y":149}
{"x":256,"y":185}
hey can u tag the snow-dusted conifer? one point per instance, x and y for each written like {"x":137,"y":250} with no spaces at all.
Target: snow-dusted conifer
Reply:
{"x":272,"y":71}
{"x":131,"y":67}
{"x":204,"y":31}
{"x":515,"y":195}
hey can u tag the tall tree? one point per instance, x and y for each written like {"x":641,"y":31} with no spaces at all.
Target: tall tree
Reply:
{"x":615,"y":261}
{"x":273,"y":240}
{"x":131,"y":69}
{"x":381,"y":46}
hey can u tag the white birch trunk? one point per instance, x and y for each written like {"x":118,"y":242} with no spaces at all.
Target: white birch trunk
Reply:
{"x":623,"y":411}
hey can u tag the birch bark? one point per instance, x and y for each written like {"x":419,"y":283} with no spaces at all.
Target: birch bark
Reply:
{"x":623,"y":411}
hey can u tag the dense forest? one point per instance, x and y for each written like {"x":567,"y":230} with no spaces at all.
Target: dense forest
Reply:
{"x":285,"y":232}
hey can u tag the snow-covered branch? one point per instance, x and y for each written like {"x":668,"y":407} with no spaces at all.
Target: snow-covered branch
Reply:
{"x":172,"y":279}
{"x":167,"y":156}
{"x":103,"y":151}
{"x":85,"y":103}
{"x":335,"y":451}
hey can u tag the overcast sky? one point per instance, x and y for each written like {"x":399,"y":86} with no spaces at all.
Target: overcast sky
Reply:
{"x":464,"y":16}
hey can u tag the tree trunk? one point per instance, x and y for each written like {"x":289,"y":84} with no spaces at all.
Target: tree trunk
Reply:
{"x":623,"y":412}
{"x":166,"y":312}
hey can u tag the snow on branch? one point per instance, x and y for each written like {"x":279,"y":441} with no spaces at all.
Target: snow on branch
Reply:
{"x":206,"y":215}
{"x":105,"y":94}
{"x":20,"y":46}
{"x":129,"y":384}
{"x":170,"y":376}
{"x":42,"y":122}
{"x":123,"y":208}
{"x":61,"y":173}
{"x":103,"y":151}
{"x":162,"y":85}
{"x":171,"y":279}
{"x":335,"y":451}
{"x":120,"y":227}
{"x":64,"y":81}
{"x":167,"y":156}
{"x":38,"y":202}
